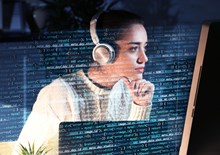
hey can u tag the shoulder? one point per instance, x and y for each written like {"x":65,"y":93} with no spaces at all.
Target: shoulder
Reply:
{"x":62,"y":85}
{"x":55,"y":87}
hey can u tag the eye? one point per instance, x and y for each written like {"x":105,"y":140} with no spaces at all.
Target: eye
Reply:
{"x":133,"y":49}
{"x":145,"y":48}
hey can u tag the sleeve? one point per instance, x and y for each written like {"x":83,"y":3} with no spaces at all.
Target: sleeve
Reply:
{"x":138,"y":112}
{"x":122,"y":108}
{"x":41,"y":127}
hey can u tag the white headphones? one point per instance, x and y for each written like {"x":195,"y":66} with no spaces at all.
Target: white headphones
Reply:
{"x":102,"y":53}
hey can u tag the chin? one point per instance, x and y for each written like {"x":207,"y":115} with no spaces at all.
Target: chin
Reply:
{"x":138,"y":77}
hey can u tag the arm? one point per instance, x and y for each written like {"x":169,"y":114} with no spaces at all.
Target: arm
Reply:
{"x":142,"y":94}
{"x":50,"y":108}
{"x":122,"y":105}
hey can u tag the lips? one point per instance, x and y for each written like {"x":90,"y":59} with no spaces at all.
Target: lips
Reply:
{"x":140,"y":69}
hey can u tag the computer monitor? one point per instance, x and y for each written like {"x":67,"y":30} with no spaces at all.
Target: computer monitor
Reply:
{"x":201,"y":130}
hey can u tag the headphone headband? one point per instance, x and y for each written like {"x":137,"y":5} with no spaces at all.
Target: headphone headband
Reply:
{"x":93,"y":23}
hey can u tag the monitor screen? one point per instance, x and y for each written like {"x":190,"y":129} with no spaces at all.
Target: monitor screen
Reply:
{"x":27,"y":66}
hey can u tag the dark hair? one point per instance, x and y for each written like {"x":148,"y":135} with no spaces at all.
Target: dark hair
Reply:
{"x":112,"y":25}
{"x":117,"y":20}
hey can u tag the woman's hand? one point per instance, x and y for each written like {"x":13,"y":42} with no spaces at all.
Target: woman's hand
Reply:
{"x":142,"y":91}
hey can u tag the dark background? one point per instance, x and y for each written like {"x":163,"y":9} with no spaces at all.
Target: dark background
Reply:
{"x":23,"y":19}
{"x":20,"y":17}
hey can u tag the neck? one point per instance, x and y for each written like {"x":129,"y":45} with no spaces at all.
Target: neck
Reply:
{"x":102,"y":77}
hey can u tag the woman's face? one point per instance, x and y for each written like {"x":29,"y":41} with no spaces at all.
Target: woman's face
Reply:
{"x":131,"y":56}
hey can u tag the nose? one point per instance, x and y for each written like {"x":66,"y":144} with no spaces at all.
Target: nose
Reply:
{"x":142,"y":57}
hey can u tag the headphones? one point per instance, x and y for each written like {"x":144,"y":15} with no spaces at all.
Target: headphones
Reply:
{"x":102,"y":53}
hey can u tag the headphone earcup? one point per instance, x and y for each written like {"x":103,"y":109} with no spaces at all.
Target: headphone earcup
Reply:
{"x":103,"y":54}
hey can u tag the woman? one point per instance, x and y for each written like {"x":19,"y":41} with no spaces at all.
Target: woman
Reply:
{"x":111,"y":91}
